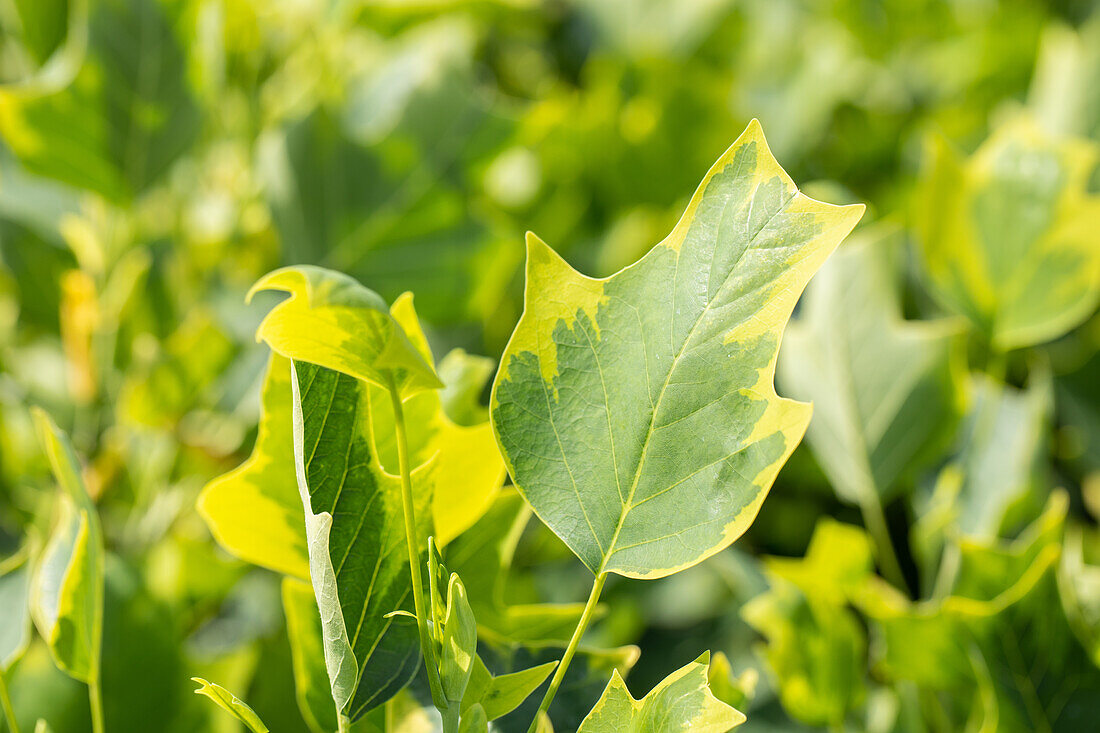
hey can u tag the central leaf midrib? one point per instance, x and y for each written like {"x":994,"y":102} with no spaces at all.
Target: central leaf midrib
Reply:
{"x":629,"y":504}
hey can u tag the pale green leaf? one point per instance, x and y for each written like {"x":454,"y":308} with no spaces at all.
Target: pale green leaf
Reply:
{"x":67,"y":590}
{"x":254,"y":511}
{"x":356,"y":541}
{"x":883,"y":389}
{"x":681,"y":702}
{"x":333,"y":321}
{"x":735,"y":691}
{"x":307,"y":652}
{"x":637,"y":413}
{"x":15,"y":587}
{"x":474,"y":720}
{"x":501,"y":694}
{"x":464,"y":377}
{"x":1008,"y":236}
{"x":458,"y":644}
{"x":231,"y":704}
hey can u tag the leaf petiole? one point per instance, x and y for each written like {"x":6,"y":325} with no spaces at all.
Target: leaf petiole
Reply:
{"x":426,"y":647}
{"x":5,"y":701}
{"x":95,"y":700}
{"x":570,"y":650}
{"x":874,"y":518}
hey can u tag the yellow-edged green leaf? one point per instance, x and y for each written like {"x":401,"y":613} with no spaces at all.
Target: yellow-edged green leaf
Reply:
{"x":255,"y":511}
{"x":231,"y":704}
{"x":1008,"y":236}
{"x":501,"y":694}
{"x":681,"y":702}
{"x":637,"y":413}
{"x":307,"y":652}
{"x":883,"y":389}
{"x":67,"y":591}
{"x":333,"y":321}
{"x":355,"y":537}
{"x":15,"y":587}
{"x":469,"y":469}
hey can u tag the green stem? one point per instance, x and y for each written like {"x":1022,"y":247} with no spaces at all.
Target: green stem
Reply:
{"x":426,"y":647}
{"x":5,"y":701}
{"x":451,"y":719}
{"x":95,"y":699}
{"x":343,"y":723}
{"x":875,"y":520}
{"x":563,"y":665}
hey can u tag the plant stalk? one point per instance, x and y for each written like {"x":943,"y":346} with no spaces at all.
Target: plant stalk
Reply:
{"x":426,"y":647}
{"x":563,"y":665}
{"x":5,"y":701}
{"x":95,"y":699}
{"x":343,"y":724}
{"x":875,"y":520}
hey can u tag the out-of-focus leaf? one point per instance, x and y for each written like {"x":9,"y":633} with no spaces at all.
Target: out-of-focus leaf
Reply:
{"x":255,"y":510}
{"x":616,"y":423}
{"x":67,"y":592}
{"x":1008,"y":236}
{"x":356,"y":540}
{"x":464,"y":377}
{"x":231,"y":704}
{"x":115,"y":129}
{"x":882,"y":388}
{"x":499,"y":695}
{"x":307,"y":649}
{"x":734,"y":691}
{"x":333,"y":321}
{"x":681,"y":702}
{"x":15,"y":587}
{"x":815,"y":645}
{"x":468,"y":467}
{"x":1079,"y":587}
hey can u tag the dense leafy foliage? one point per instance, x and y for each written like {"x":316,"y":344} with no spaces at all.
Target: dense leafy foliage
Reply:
{"x":232,"y":449}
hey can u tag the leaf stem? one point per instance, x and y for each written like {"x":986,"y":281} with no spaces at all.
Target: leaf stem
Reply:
{"x":874,"y":518}
{"x":342,"y":723}
{"x":426,"y":647}
{"x":563,"y":665}
{"x":5,"y":701}
{"x":95,"y":699}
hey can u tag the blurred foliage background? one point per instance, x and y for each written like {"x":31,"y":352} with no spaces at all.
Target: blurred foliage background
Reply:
{"x":158,"y":156}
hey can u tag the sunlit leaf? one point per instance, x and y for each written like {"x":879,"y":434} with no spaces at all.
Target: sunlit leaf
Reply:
{"x":882,"y":388}
{"x":501,"y":694}
{"x":231,"y":704}
{"x":1008,"y":236}
{"x":255,"y":511}
{"x":67,"y":592}
{"x":637,"y":413}
{"x":307,"y":650}
{"x":458,"y":642}
{"x":356,"y":541}
{"x":681,"y":702}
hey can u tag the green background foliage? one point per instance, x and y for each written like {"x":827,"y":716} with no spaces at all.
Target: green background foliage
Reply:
{"x":926,"y":561}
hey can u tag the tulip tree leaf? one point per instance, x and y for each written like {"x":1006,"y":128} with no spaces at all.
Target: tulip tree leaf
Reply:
{"x":67,"y":591}
{"x":254,"y":511}
{"x":356,"y":541}
{"x":231,"y":704}
{"x":333,"y":321}
{"x":882,"y":388}
{"x":1008,"y":235}
{"x":501,"y":694}
{"x":681,"y":702}
{"x":15,"y":586}
{"x":307,"y":652}
{"x":637,"y":414}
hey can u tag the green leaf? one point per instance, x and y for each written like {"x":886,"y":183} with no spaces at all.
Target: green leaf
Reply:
{"x":464,"y":377}
{"x":734,"y":691}
{"x":500,"y":695}
{"x":356,"y":541}
{"x":474,"y":720}
{"x":1008,"y":236}
{"x":307,"y":651}
{"x":113,"y":129}
{"x":333,"y":321}
{"x":883,"y":389}
{"x":231,"y":704}
{"x":680,"y":702}
{"x":15,"y":587}
{"x":42,"y":727}
{"x":67,"y":590}
{"x":458,"y":643}
{"x":255,"y":511}
{"x":637,"y":413}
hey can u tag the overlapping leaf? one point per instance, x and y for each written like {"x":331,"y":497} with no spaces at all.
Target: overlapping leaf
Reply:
{"x":882,"y":388}
{"x":307,"y":651}
{"x":1009,"y":236}
{"x":67,"y":592}
{"x":637,"y":413}
{"x":681,"y":702}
